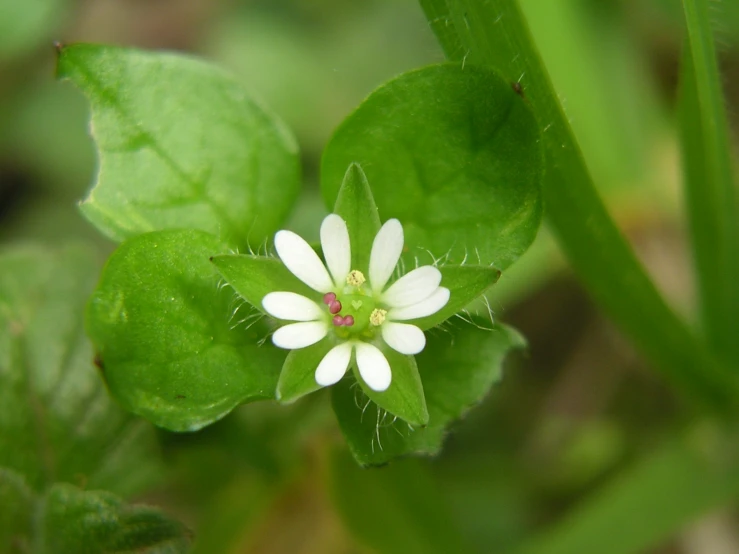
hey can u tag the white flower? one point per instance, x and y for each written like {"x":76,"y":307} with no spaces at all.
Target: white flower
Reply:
{"x":358,"y":314}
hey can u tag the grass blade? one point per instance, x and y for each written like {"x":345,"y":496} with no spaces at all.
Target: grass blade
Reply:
{"x":709,"y":186}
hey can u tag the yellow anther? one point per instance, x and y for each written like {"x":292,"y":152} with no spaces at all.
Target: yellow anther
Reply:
{"x":355,"y":278}
{"x":377,"y":317}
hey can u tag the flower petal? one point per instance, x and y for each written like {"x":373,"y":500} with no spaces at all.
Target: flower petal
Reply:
{"x":386,"y":249}
{"x":403,"y":337}
{"x":336,"y":247}
{"x":291,"y":306}
{"x":302,"y":261}
{"x":333,"y":365}
{"x":413,"y":287}
{"x":429,"y":306}
{"x":373,"y":366}
{"x":300,"y":335}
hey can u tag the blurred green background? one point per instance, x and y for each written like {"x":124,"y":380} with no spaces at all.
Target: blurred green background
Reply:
{"x":572,"y":413}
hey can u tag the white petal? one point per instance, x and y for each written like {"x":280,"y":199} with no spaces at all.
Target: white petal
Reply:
{"x":429,"y":306}
{"x":405,"y":338}
{"x":334,"y":364}
{"x":302,"y":261}
{"x":292,"y":306}
{"x":413,"y":287}
{"x":336,"y":247}
{"x":373,"y":367}
{"x":385,"y":253}
{"x":300,"y":335}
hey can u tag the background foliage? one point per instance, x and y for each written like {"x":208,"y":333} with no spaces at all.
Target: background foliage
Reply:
{"x":581,"y":440}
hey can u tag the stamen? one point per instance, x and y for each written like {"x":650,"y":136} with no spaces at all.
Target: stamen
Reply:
{"x":355,"y":278}
{"x":377,"y":317}
{"x":334,"y":307}
{"x":328,"y":298}
{"x":338,"y":321}
{"x":349,"y":320}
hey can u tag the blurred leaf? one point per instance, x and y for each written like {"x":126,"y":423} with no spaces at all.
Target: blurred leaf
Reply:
{"x":333,"y":57}
{"x":456,"y":372}
{"x":92,"y":522}
{"x":495,"y":33}
{"x":24,"y":25}
{"x":396,"y":509}
{"x":57,"y":422}
{"x":649,"y":502}
{"x":180,"y":146}
{"x":160,"y":324}
{"x":451,"y":151}
{"x":15,"y":517}
{"x":608,"y":94}
{"x":711,"y":197}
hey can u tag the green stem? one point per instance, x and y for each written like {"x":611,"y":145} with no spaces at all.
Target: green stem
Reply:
{"x":495,"y":33}
{"x":709,"y":186}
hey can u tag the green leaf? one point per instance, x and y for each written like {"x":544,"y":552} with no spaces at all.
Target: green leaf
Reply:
{"x":453,"y":153}
{"x":181,"y":145}
{"x":404,"y":397}
{"x":457,"y":373}
{"x":92,"y":522}
{"x":57,"y":421}
{"x":495,"y":33}
{"x":356,"y":205}
{"x":466,"y":283}
{"x":160,"y":324}
{"x":394,"y":510}
{"x":648,"y":502}
{"x":711,"y":195}
{"x":298,"y":376}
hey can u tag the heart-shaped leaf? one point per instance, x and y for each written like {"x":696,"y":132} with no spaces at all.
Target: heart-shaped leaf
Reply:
{"x":181,"y":145}
{"x":453,"y":153}
{"x":160,"y":323}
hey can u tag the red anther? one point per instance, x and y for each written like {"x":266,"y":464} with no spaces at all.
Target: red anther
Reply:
{"x":334,"y":307}
{"x":329,"y":298}
{"x":349,"y":320}
{"x":338,"y":321}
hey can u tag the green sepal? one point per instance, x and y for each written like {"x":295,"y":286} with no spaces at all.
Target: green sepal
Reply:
{"x":298,"y":376}
{"x":356,"y":205}
{"x":458,"y":372}
{"x":466,"y":283}
{"x":404,"y":397}
{"x":252,"y":277}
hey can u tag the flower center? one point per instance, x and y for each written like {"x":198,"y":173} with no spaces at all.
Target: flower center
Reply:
{"x":359,"y":308}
